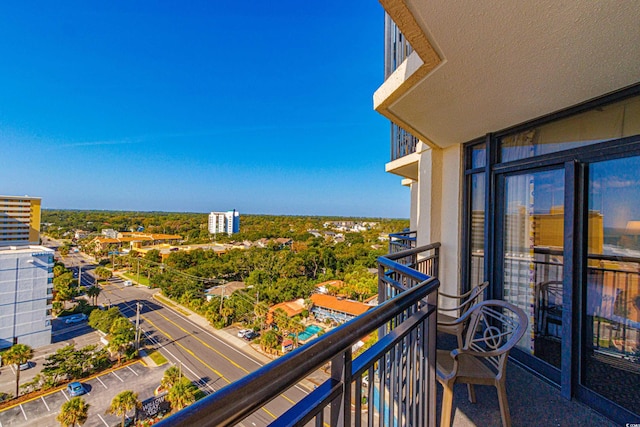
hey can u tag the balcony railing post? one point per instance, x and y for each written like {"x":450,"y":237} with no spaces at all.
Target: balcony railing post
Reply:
{"x":341,"y":405}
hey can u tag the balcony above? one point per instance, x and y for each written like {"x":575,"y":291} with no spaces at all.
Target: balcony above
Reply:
{"x":480,"y":67}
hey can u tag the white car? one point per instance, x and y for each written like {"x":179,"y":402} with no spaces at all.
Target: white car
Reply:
{"x":243,"y":332}
{"x":76,"y":318}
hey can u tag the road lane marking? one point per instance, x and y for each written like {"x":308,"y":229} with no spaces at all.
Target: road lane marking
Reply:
{"x":24,"y":413}
{"x":103,"y":384}
{"x":208,"y":366}
{"x":102,"y":419}
{"x":65,"y":395}
{"x":134,"y":372}
{"x":161,"y":347}
{"x":114,"y":373}
{"x":45,"y":403}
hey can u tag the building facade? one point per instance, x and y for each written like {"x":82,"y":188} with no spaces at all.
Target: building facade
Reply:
{"x":26,"y":275}
{"x":26,"y":295}
{"x":224,"y":222}
{"x":19,"y":220}
{"x":516,"y":127}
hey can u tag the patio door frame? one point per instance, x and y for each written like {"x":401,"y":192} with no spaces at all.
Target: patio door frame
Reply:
{"x":575,"y":163}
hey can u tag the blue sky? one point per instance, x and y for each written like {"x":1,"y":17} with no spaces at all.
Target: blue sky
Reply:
{"x":265,"y":107}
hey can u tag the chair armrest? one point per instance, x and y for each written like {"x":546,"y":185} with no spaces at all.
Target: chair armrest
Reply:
{"x":458,"y":351}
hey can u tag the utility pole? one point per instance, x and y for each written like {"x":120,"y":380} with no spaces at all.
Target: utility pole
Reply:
{"x":221,"y":299}
{"x":138,"y":305}
{"x":138,"y":270}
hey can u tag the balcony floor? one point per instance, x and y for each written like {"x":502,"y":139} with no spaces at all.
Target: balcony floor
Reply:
{"x":532,"y":402}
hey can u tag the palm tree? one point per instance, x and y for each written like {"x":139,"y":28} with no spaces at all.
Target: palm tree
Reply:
{"x":295,"y":326}
{"x":122,"y":403}
{"x":261,"y":309}
{"x":93,"y":292}
{"x":171,"y":377}
{"x":17,"y":355}
{"x":182,"y":394}
{"x":73,"y":412}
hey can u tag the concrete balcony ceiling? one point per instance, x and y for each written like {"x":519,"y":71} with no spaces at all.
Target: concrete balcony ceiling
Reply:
{"x":486,"y":65}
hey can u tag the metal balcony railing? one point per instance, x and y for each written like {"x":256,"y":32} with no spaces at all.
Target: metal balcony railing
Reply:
{"x":396,"y":50}
{"x":402,"y":241}
{"x":391,"y":383}
{"x":402,"y":142}
{"x":396,"y":46}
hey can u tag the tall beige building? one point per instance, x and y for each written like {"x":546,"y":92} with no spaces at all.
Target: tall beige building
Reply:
{"x":19,"y":220}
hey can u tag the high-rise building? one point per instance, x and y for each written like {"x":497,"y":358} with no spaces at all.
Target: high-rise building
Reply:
{"x":224,"y":222}
{"x":19,"y":220}
{"x":520,"y":146}
{"x":26,"y":275}
{"x":26,"y":295}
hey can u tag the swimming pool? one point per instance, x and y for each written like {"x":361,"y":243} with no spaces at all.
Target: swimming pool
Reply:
{"x":309,"y":331}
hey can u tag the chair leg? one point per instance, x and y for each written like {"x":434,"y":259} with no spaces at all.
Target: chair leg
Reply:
{"x":504,"y":405}
{"x":447,"y":405}
{"x":472,"y":393}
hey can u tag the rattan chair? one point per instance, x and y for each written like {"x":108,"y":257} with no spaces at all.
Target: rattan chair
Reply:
{"x":446,"y":322}
{"x":494,"y":327}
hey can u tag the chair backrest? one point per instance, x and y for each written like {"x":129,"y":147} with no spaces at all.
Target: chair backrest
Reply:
{"x":550,"y":293}
{"x":474,"y":296}
{"x":495,"y":327}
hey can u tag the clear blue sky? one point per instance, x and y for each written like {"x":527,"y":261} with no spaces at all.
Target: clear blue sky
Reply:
{"x":265,"y":107}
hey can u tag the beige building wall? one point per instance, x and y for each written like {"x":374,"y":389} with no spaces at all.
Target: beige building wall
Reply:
{"x":435,"y":208}
{"x":19,"y":220}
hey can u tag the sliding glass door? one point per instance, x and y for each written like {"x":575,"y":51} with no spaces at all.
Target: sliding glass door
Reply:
{"x":611,"y":345}
{"x":533,"y":250}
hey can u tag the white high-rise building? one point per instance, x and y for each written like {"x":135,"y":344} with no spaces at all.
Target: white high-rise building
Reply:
{"x":26,"y":295}
{"x":224,"y":222}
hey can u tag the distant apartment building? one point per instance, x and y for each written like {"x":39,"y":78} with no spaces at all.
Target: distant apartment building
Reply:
{"x":19,"y":220}
{"x":224,"y":222}
{"x":26,"y":275}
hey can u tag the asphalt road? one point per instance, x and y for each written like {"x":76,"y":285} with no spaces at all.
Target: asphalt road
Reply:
{"x":203,"y":357}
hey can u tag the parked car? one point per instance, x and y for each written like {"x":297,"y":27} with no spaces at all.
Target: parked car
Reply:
{"x":76,"y":318}
{"x":243,"y":332}
{"x":250,"y":335}
{"x":76,"y":389}
{"x":26,"y":365}
{"x":128,"y":283}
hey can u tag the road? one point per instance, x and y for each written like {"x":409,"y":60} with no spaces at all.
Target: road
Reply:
{"x":206,"y":359}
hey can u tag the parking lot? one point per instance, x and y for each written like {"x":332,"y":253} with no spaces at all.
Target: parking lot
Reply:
{"x":42,"y":411}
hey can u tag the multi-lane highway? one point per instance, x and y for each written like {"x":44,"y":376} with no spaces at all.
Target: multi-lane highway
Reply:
{"x":203,"y":356}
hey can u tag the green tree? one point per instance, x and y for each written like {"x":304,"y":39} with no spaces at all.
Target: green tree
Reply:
{"x":93,"y":292}
{"x":170,"y":378}
{"x":122,"y":335}
{"x":17,"y":355}
{"x":103,"y":320}
{"x":75,"y":411}
{"x":269,"y":341}
{"x":182,"y":394}
{"x":295,"y":326}
{"x":103,"y":273}
{"x":122,"y":403}
{"x":153,"y":255}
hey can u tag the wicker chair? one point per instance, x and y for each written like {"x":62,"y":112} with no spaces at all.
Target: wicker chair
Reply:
{"x":446,"y":322}
{"x":494,"y":327}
